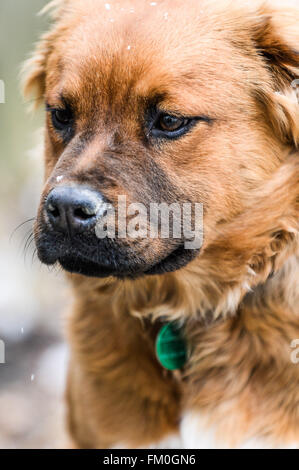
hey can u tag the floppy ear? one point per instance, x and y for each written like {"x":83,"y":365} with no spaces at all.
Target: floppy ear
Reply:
{"x":276,"y":37}
{"x":34,"y":69}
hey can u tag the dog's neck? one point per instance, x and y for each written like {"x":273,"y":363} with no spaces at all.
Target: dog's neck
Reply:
{"x":239,"y":364}
{"x":246,"y":360}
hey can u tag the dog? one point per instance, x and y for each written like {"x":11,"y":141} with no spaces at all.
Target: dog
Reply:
{"x":175,"y":102}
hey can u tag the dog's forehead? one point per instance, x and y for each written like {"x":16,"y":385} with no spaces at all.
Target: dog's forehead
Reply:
{"x":151,"y":50}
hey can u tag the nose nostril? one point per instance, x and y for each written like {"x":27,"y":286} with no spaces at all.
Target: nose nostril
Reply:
{"x":72,"y":209}
{"x":83,"y":213}
{"x":54,"y":210}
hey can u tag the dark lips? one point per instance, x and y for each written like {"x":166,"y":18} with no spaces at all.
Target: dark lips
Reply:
{"x":84,"y":267}
{"x":176,"y":260}
{"x":80,"y":259}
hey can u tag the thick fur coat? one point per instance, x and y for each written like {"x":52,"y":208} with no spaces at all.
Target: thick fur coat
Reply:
{"x":238,"y":299}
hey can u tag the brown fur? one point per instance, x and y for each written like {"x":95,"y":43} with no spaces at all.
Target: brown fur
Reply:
{"x":239,"y":297}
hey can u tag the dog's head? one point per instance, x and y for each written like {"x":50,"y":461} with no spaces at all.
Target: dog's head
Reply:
{"x":177,"y":102}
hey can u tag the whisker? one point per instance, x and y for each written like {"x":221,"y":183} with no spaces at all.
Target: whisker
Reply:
{"x":19,"y":226}
{"x":23,"y":241}
{"x":28,"y":236}
{"x":28,"y":242}
{"x":33,"y":256}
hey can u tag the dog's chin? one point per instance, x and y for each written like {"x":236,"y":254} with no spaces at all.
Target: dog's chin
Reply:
{"x":76,"y":264}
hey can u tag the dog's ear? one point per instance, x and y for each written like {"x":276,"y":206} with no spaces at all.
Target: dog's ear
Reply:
{"x":276,"y":37}
{"x":34,"y":69}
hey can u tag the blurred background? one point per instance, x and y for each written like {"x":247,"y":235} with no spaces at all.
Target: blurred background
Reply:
{"x":32,"y":298}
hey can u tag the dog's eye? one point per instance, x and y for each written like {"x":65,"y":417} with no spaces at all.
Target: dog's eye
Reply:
{"x":61,"y":118}
{"x":163,"y":125}
{"x":169,"y":126}
{"x":63,"y":121}
{"x":169,"y":123}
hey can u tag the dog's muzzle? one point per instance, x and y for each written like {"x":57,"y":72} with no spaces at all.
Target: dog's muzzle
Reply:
{"x":73,"y":209}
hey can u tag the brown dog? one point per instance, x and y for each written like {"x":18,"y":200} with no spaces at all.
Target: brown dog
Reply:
{"x":189,"y":102}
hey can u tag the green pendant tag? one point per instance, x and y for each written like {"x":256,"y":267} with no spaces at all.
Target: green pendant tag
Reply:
{"x":171,"y":347}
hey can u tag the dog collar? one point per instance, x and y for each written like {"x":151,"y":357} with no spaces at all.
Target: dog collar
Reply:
{"x":171,"y":347}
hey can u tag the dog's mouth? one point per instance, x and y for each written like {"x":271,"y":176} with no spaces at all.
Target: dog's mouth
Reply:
{"x":78,"y":265}
{"x":110,"y":261}
{"x":174,"y":261}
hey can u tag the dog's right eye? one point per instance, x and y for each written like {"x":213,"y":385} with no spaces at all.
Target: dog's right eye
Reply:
{"x":61,"y":118}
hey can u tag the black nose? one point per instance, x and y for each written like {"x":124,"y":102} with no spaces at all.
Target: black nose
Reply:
{"x":73,"y":208}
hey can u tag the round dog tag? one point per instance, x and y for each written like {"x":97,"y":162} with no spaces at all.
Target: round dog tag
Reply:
{"x":171,"y":347}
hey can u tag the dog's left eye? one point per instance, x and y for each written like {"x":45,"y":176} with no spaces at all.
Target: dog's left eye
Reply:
{"x":169,"y":126}
{"x":162,"y":125}
{"x":169,"y":123}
